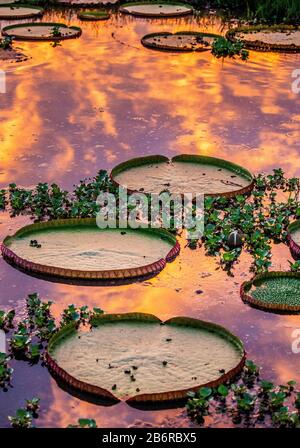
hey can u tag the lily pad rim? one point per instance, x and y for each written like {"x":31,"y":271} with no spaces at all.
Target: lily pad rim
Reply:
{"x":92,"y":16}
{"x":170,"y":396}
{"x":260,"y":45}
{"x":280,"y":308}
{"x":103,"y":275}
{"x":39,"y":11}
{"x":38,"y":38}
{"x":189,"y":158}
{"x":189,"y":11}
{"x":294,"y":247}
{"x":171,"y":48}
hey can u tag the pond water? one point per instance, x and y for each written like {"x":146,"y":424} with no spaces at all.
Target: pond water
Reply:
{"x":98,"y":100}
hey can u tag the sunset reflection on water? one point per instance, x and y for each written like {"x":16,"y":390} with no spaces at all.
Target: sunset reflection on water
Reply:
{"x":101,"y":99}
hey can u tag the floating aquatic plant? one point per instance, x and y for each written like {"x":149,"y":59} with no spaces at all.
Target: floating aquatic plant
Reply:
{"x":5,"y":371}
{"x":222,"y":48}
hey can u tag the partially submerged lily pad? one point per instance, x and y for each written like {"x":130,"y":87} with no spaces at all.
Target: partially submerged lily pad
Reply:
{"x":79,"y":249}
{"x":155,"y":9}
{"x":183,"y":174}
{"x":13,"y":12}
{"x":294,"y":239}
{"x":181,"y":41}
{"x":41,"y":31}
{"x":93,"y":15}
{"x":134,"y":357}
{"x":273,"y":291}
{"x":285,"y":38}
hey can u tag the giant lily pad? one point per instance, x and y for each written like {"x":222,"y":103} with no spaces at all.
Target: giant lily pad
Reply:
{"x":181,"y":41}
{"x":137,"y":358}
{"x":93,"y":15}
{"x":273,"y":291}
{"x":294,"y":239}
{"x":41,"y":31}
{"x":78,"y":249}
{"x":285,"y":38}
{"x":183,"y":174}
{"x":13,"y":12}
{"x":155,"y":9}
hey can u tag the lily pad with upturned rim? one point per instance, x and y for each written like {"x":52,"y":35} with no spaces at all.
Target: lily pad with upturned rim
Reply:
{"x":195,"y":174}
{"x":278,"y":38}
{"x":293,"y":239}
{"x":41,"y":31}
{"x":139,"y":360}
{"x":181,"y":41}
{"x":156,"y":9}
{"x":273,"y":291}
{"x":93,"y":15}
{"x":10,"y":11}
{"x":78,"y":249}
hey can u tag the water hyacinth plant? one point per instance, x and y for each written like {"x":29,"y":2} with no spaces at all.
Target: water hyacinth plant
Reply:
{"x":249,"y":403}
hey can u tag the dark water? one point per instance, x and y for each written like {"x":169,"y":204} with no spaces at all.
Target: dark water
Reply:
{"x":96,"y":101}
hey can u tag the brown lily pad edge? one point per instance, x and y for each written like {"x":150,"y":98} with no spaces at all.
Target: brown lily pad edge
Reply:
{"x":95,"y":393}
{"x":189,"y":158}
{"x":39,"y":11}
{"x":294,"y":247}
{"x":279,"y":308}
{"x":93,"y":15}
{"x":76,"y":31}
{"x":107,"y":276}
{"x":263,"y":46}
{"x":137,"y":13}
{"x":166,"y":47}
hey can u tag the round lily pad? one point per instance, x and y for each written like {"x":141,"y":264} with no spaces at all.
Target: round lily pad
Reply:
{"x":13,"y":12}
{"x":79,"y":249}
{"x":154,"y":9}
{"x":93,"y":15}
{"x":183,"y":174}
{"x":285,"y":38}
{"x":41,"y":31}
{"x":181,"y":41}
{"x":273,"y":291}
{"x":137,"y":358}
{"x":293,"y":239}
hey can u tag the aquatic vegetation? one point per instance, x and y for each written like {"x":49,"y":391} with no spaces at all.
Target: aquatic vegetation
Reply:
{"x":22,"y":11}
{"x":5,"y":44}
{"x":5,"y":370}
{"x":33,"y":405}
{"x":96,"y":14}
{"x":22,"y":419}
{"x":222,"y":48}
{"x":6,"y":319}
{"x":249,"y":403}
{"x":84,"y":423}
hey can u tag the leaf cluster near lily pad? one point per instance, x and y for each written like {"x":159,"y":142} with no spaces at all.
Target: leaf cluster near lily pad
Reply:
{"x":79,"y":249}
{"x":180,"y":41}
{"x":156,"y":9}
{"x":278,"y":291}
{"x":154,"y":370}
{"x":261,"y":219}
{"x":281,"y":38}
{"x":249,"y":401}
{"x":28,"y":337}
{"x":23,"y":417}
{"x":41,"y":31}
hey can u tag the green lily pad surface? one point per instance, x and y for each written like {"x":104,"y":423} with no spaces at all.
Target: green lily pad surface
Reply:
{"x":274,"y":290}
